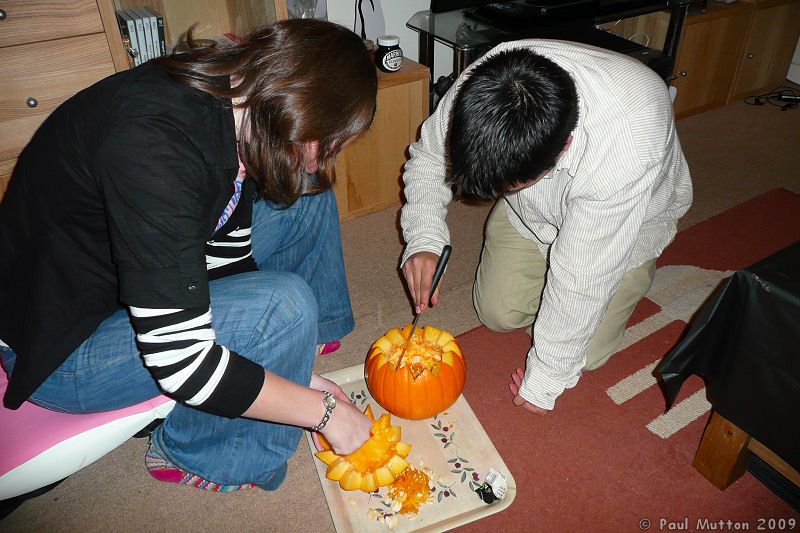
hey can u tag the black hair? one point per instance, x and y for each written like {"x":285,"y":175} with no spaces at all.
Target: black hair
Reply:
{"x":510,"y":120}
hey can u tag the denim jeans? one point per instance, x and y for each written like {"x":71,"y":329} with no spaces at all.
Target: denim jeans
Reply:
{"x":275,"y":317}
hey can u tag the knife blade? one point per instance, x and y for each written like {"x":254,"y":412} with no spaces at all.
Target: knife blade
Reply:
{"x":437,"y":275}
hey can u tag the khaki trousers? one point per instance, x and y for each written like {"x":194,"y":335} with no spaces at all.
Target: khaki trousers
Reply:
{"x":511,"y":276}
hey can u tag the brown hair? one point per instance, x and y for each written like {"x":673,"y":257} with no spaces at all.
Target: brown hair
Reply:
{"x":301,"y":80}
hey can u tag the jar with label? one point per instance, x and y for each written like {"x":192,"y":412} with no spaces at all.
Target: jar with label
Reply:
{"x":389,"y":55}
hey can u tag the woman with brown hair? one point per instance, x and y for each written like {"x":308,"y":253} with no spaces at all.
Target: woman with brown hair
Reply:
{"x":172,"y":229}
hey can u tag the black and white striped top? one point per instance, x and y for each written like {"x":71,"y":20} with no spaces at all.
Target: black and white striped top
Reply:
{"x":179,"y":345}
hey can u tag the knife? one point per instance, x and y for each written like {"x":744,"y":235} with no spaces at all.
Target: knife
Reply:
{"x":437,"y":275}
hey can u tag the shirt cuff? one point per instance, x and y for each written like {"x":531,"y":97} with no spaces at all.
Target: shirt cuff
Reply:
{"x":542,"y":389}
{"x":237,"y":390}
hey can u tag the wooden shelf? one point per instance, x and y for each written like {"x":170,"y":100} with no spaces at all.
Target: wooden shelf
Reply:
{"x":213,"y":17}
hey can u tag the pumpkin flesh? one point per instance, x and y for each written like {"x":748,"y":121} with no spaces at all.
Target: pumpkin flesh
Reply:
{"x":427,"y":379}
{"x":376,"y":464}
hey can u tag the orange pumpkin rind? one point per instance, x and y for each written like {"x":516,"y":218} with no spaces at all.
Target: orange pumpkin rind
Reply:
{"x":376,"y":464}
{"x":428,"y":379}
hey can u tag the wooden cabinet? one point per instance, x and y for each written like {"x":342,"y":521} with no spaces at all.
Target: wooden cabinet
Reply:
{"x":770,"y":46}
{"x":49,"y":50}
{"x":732,"y":51}
{"x":708,"y":57}
{"x":368,"y":172}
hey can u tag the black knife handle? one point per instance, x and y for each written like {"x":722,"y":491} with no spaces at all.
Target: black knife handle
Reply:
{"x":437,"y":274}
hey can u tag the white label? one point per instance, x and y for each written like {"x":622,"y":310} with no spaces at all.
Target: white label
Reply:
{"x":393,"y":60}
{"x":497,"y":481}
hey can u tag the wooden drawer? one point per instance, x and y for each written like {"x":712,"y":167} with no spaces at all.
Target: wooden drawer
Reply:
{"x":50,"y":72}
{"x":28,"y":22}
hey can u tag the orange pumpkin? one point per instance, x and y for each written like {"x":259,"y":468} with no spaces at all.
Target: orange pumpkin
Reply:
{"x":375,"y":464}
{"x":427,"y":380}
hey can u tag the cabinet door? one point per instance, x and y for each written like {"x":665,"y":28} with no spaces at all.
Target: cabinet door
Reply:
{"x":36,"y":78}
{"x":769,"y":49}
{"x":707,"y":62}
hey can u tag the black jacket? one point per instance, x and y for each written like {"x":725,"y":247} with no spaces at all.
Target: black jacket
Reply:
{"x":110,"y":204}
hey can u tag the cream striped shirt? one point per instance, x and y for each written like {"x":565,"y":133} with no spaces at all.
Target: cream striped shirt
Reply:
{"x":611,"y":203}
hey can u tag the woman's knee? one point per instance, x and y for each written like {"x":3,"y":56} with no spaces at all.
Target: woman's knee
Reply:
{"x":259,"y":307}
{"x":291,"y":302}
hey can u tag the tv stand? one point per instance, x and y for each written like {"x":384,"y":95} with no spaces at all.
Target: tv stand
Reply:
{"x":472,"y":31}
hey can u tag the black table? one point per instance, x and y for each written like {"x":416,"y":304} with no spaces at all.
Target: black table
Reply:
{"x":745,"y":343}
{"x":470,"y":35}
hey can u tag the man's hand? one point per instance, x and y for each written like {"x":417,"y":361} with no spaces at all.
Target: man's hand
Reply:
{"x":519,"y":401}
{"x":348,"y":427}
{"x":418,"y":271}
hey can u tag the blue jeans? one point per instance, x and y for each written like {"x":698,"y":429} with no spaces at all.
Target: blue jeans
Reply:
{"x":275,"y":317}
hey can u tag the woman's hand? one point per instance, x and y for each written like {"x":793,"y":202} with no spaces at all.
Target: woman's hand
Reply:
{"x":418,"y":271}
{"x":519,"y":401}
{"x":325,"y":385}
{"x":348,"y":428}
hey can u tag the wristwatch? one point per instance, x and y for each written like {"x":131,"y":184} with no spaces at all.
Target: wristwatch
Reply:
{"x":329,"y":402}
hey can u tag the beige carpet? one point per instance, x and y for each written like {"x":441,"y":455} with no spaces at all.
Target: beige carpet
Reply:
{"x":735,"y":153}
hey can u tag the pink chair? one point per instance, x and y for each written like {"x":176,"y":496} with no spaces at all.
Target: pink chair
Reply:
{"x":39,"y":447}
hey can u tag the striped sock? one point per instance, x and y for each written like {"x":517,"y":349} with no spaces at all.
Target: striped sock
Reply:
{"x":163,"y":470}
{"x":328,"y":347}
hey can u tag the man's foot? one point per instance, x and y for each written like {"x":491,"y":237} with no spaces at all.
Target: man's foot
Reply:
{"x":161,"y":469}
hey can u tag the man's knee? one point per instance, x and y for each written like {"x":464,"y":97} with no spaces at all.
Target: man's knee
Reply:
{"x":599,"y":353}
{"x":608,"y":337}
{"x":493,"y":312}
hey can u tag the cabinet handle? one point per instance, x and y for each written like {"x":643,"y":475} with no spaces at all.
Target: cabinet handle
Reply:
{"x":749,"y":56}
{"x":31,"y":102}
{"x":683,"y":73}
{"x":3,"y":14}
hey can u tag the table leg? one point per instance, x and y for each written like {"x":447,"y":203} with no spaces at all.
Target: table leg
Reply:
{"x":674,"y":29}
{"x":426,"y":57}
{"x":425,"y":53}
{"x":723,"y":453}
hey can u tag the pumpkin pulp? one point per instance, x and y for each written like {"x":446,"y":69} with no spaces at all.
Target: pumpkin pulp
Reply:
{"x":422,"y":354}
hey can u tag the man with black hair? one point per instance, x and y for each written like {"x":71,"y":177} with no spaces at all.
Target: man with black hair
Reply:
{"x":578,"y":144}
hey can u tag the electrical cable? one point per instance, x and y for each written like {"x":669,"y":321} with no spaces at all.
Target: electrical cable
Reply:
{"x":357,"y":12}
{"x":784,"y":97}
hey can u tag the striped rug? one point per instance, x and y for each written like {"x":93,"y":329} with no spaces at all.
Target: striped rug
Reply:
{"x":609,"y":458}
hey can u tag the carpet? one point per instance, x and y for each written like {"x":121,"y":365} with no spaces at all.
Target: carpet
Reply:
{"x":608,"y":458}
